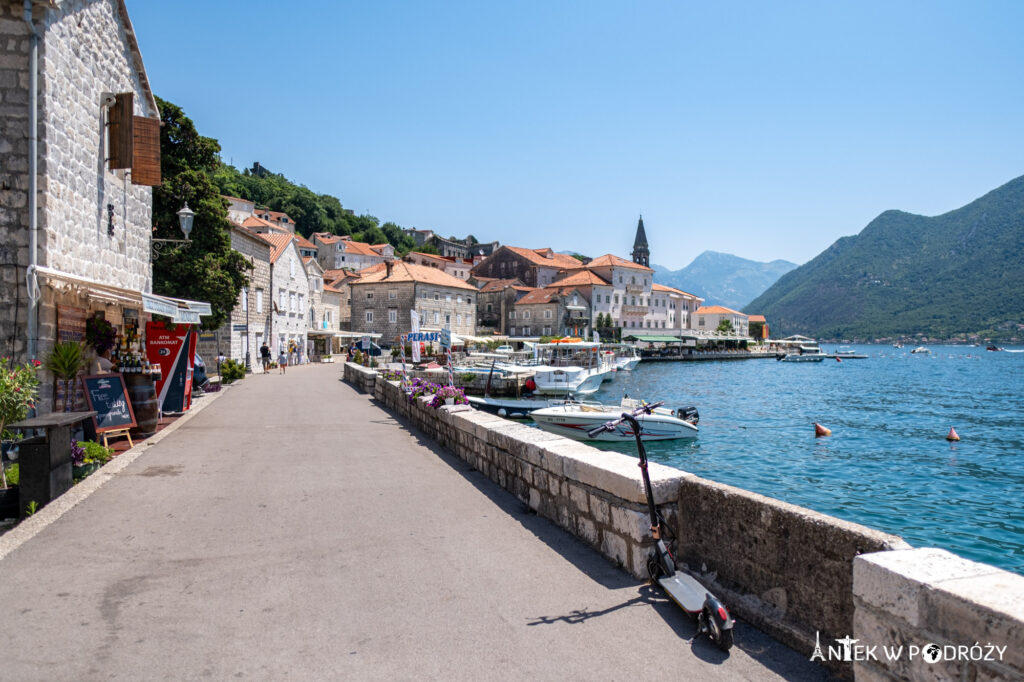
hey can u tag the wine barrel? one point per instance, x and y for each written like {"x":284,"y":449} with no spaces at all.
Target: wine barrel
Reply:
{"x":142,"y":393}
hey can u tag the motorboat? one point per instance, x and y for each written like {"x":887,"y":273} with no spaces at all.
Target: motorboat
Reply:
{"x":567,"y":380}
{"x":574,"y":420}
{"x":570,"y":367}
{"x":804,"y":353}
{"x":624,"y":357}
{"x":921,"y":349}
{"x":512,"y":408}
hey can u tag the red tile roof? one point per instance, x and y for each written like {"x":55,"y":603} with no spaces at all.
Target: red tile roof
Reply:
{"x":661,"y":287}
{"x":579,"y":278}
{"x":545,"y":257}
{"x":499,"y":284}
{"x":279,"y":242}
{"x":304,"y":243}
{"x":411,"y":272}
{"x":611,"y":260}
{"x":756,"y":318}
{"x":717,"y":310}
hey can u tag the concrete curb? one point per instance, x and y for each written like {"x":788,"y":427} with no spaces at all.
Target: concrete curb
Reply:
{"x":33,"y":525}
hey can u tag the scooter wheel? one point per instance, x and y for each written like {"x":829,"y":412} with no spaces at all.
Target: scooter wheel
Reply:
{"x":654,"y":568}
{"x":722,"y":638}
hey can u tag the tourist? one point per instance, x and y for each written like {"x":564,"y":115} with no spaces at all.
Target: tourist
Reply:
{"x":282,"y":362}
{"x":265,"y":356}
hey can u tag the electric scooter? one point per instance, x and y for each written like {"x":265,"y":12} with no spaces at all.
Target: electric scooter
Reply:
{"x":684,"y":590}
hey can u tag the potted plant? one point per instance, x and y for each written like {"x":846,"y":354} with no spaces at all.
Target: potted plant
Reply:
{"x":88,"y":456}
{"x":100,"y":334}
{"x":65,"y":361}
{"x":19,"y":387}
{"x":448,"y":395}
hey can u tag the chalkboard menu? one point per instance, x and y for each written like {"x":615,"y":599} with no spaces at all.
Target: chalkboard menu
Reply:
{"x":107,"y":394}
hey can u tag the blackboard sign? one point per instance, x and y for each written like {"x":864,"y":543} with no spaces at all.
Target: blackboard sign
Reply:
{"x":107,"y":394}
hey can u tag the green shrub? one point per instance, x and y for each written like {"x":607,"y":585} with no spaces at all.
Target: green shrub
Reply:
{"x":12,"y":473}
{"x":94,"y":452}
{"x":231,"y":371}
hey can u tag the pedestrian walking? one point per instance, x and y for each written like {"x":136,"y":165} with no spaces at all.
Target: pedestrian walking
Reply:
{"x":282,"y":362}
{"x":265,"y":356}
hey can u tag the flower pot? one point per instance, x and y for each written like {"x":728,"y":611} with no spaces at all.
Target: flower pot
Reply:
{"x":80,"y":471}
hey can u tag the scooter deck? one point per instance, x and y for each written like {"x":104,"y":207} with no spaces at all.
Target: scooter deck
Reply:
{"x":684,"y":590}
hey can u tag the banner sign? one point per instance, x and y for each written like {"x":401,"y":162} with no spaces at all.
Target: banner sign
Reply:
{"x":446,"y":339}
{"x":424,"y":336}
{"x":174,"y":351}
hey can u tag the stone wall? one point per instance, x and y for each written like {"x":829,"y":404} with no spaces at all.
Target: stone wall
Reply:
{"x":914,"y":598}
{"x":84,"y":51}
{"x":803,"y":577}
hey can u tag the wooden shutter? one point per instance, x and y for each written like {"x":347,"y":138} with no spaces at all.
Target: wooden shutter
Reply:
{"x":120,"y":131}
{"x":146,"y":156}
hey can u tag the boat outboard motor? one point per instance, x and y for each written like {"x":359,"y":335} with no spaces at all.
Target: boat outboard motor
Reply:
{"x":688,"y":414}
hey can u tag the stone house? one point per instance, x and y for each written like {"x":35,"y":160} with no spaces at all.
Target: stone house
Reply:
{"x":335,"y":252}
{"x":456,"y":267}
{"x":248,"y":326}
{"x":466,"y":249}
{"x":289,"y":294}
{"x":496,"y":298}
{"x":533,"y":267}
{"x":76,"y":219}
{"x":324,"y":312}
{"x":384,"y":294}
{"x":708,"y":317}
{"x":552,"y":311}
{"x":239,"y":209}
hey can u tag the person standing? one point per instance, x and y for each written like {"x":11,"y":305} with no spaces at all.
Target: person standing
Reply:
{"x":265,"y":356}
{"x":282,"y":362}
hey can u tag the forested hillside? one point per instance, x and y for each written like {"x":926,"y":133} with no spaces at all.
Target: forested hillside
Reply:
{"x":953,"y":275}
{"x":312,"y":212}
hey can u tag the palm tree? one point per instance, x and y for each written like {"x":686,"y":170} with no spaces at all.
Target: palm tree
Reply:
{"x":65,"y":361}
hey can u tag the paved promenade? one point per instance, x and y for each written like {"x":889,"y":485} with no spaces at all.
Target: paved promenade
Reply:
{"x":292,"y":529}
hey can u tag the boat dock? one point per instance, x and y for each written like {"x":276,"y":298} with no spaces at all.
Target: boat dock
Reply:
{"x":707,"y":355}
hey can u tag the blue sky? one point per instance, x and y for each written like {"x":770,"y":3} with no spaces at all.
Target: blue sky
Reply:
{"x":762,"y":129}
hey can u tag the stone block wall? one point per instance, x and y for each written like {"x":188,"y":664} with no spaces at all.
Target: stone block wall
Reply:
{"x":947,"y":617}
{"x":803,"y":577}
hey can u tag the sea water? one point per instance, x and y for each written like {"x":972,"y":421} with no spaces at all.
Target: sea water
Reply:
{"x":887,"y":464}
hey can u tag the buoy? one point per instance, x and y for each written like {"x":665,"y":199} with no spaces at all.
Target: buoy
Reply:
{"x":838,"y":359}
{"x":820,"y":430}
{"x":952,"y":435}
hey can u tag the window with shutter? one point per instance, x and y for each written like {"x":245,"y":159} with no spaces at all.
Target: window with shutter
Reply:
{"x":146,"y":151}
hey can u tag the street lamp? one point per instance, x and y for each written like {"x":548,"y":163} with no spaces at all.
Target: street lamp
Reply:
{"x":185,"y":217}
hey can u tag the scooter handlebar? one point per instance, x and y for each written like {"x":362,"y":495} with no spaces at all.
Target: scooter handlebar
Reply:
{"x":610,"y":426}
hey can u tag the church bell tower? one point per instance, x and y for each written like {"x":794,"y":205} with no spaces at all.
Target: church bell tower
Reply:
{"x":641,"y":254}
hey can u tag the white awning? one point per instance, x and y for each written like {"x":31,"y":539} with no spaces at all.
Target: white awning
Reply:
{"x":179,"y":310}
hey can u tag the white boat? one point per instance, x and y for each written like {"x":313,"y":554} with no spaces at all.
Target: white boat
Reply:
{"x":564,"y":381}
{"x":921,"y":349}
{"x":574,"y":420}
{"x":511,"y":408}
{"x":805,"y":353}
{"x":576,"y":367}
{"x":625,"y":357}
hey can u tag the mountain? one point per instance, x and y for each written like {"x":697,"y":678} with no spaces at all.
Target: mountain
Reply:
{"x":723,"y":279}
{"x":960,"y":273}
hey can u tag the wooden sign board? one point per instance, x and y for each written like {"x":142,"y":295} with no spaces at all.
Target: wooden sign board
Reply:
{"x":108,"y":396}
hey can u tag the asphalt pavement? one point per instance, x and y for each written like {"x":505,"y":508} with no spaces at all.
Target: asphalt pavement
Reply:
{"x":292,"y":529}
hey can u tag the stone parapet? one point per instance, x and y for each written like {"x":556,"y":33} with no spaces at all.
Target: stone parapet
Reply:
{"x":801,"y":576}
{"x":966,"y":618}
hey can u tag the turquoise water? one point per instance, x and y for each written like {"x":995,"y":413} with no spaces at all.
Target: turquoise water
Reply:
{"x":887,"y":464}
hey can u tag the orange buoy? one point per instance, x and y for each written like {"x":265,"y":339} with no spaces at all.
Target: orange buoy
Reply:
{"x":820,"y":430}
{"x":952,"y":435}
{"x":838,"y":359}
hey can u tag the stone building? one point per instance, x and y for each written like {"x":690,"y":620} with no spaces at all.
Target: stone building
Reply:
{"x":532,"y":267}
{"x":456,"y":267}
{"x":336,"y":252}
{"x":324,"y":312}
{"x":248,"y":326}
{"x":383,"y":296}
{"x":340,"y":281}
{"x":552,"y":311}
{"x":76,"y":219}
{"x":496,"y":298}
{"x":466,"y":249}
{"x":289,"y":294}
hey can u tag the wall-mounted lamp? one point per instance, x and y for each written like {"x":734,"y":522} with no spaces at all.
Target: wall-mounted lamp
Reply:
{"x":185,"y":217}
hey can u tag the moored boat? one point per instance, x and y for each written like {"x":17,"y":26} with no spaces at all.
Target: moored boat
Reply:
{"x":921,"y":349}
{"x":574,"y":420}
